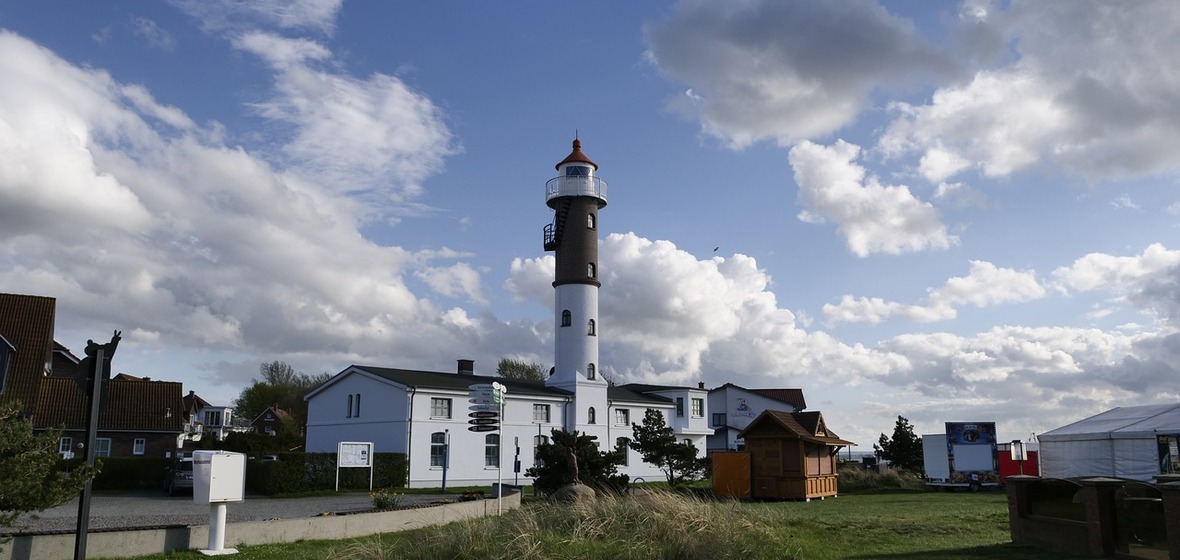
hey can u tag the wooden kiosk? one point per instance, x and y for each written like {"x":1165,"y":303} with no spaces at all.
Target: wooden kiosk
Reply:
{"x":792,"y":455}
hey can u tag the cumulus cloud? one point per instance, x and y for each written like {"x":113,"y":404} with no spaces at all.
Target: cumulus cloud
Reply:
{"x":986,"y":285}
{"x":785,"y":71}
{"x":122,"y":207}
{"x":1148,"y":281}
{"x":1095,"y":100}
{"x":872,"y":217}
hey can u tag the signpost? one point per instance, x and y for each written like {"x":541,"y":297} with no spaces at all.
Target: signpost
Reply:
{"x":487,"y":412}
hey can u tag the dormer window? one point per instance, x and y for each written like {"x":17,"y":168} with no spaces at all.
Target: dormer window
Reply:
{"x":577,"y":171}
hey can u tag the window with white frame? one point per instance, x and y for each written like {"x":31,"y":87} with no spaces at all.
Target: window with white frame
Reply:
{"x":623,"y":445}
{"x":491,"y":450}
{"x":438,"y":449}
{"x":590,"y":220}
{"x":622,"y":417}
{"x":541,"y":413}
{"x":698,"y":408}
{"x":679,"y":407}
{"x":590,"y":373}
{"x":538,"y":441}
{"x":102,"y":447}
{"x":138,"y":447}
{"x":65,"y":446}
{"x":590,"y":328}
{"x":440,"y":408}
{"x":212,"y":418}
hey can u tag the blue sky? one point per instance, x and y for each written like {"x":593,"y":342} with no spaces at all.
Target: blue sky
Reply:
{"x":949,"y":212}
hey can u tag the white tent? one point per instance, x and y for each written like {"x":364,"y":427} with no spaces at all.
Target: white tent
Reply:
{"x":1121,"y":442}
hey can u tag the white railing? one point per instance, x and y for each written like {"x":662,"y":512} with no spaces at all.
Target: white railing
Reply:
{"x":575,"y":185}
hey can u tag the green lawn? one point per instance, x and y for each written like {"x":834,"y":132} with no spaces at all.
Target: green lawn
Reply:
{"x":893,"y":525}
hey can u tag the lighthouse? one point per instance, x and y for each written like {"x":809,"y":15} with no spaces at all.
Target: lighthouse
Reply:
{"x":576,"y":195}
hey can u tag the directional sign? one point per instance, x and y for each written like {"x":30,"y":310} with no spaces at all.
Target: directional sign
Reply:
{"x":481,"y":387}
{"x":482,"y":428}
{"x":484,"y":414}
{"x":482,"y":401}
{"x":484,"y":421}
{"x":484,"y":407}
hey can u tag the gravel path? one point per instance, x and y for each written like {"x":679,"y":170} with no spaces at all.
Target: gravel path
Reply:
{"x":130,"y":510}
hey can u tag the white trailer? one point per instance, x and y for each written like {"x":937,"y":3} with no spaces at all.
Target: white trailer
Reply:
{"x":963,"y":457}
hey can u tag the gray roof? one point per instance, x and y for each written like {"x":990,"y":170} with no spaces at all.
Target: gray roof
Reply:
{"x":460,"y":382}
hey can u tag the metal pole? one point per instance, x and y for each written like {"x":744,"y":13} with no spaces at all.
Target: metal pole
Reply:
{"x":446,"y":457}
{"x":95,"y":374}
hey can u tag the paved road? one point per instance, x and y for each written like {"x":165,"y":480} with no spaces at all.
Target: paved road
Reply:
{"x":158,"y":509}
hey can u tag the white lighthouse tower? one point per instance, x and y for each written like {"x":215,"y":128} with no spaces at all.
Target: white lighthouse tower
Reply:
{"x":576,"y":195}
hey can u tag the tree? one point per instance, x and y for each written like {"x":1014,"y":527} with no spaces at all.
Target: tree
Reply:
{"x":656,"y":442}
{"x":594,"y":468}
{"x":279,"y":385}
{"x":904,"y":449}
{"x":30,"y":479}
{"x":509,"y":368}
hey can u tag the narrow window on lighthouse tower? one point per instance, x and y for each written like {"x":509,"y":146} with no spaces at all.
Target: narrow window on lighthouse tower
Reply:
{"x":590,"y":371}
{"x":590,"y":221}
{"x":566,"y":318}
{"x":590,"y":270}
{"x":590,"y":328}
{"x":590,"y":416}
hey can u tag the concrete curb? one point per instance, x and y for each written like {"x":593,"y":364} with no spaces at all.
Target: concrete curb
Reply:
{"x":139,"y":542}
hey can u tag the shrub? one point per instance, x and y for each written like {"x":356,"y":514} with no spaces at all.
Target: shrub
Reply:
{"x":385,"y":499}
{"x":306,"y":472}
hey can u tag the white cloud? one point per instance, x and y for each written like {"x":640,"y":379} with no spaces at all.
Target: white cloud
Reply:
{"x":873,"y":218}
{"x":1095,"y":100}
{"x":151,"y":32}
{"x":986,"y":285}
{"x":316,"y":15}
{"x":785,"y":71}
{"x":356,"y":135}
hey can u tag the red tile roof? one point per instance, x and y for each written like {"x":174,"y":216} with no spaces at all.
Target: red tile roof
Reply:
{"x":148,"y":406}
{"x":27,"y":323}
{"x":793,"y":397}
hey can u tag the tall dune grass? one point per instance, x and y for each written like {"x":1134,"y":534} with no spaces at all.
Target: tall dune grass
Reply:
{"x":656,"y":525}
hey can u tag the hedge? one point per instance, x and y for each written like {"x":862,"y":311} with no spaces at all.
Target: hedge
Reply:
{"x":303,"y":472}
{"x":291,"y":473}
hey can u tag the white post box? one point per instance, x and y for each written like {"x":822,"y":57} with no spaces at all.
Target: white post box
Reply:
{"x":218,"y":476}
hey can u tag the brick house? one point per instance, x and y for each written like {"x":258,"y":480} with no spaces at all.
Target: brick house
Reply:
{"x":141,"y":416}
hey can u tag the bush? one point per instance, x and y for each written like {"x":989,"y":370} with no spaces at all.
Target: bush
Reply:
{"x":125,"y":473}
{"x":306,"y":472}
{"x":854,"y":478}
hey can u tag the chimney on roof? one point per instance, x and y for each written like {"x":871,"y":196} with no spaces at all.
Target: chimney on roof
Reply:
{"x":700,"y":384}
{"x":466,"y":367}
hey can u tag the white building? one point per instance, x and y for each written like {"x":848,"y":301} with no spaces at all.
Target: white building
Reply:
{"x":420,"y":412}
{"x":424,"y":413}
{"x":734,"y":407}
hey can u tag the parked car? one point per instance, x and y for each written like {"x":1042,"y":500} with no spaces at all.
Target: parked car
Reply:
{"x":180,"y":477}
